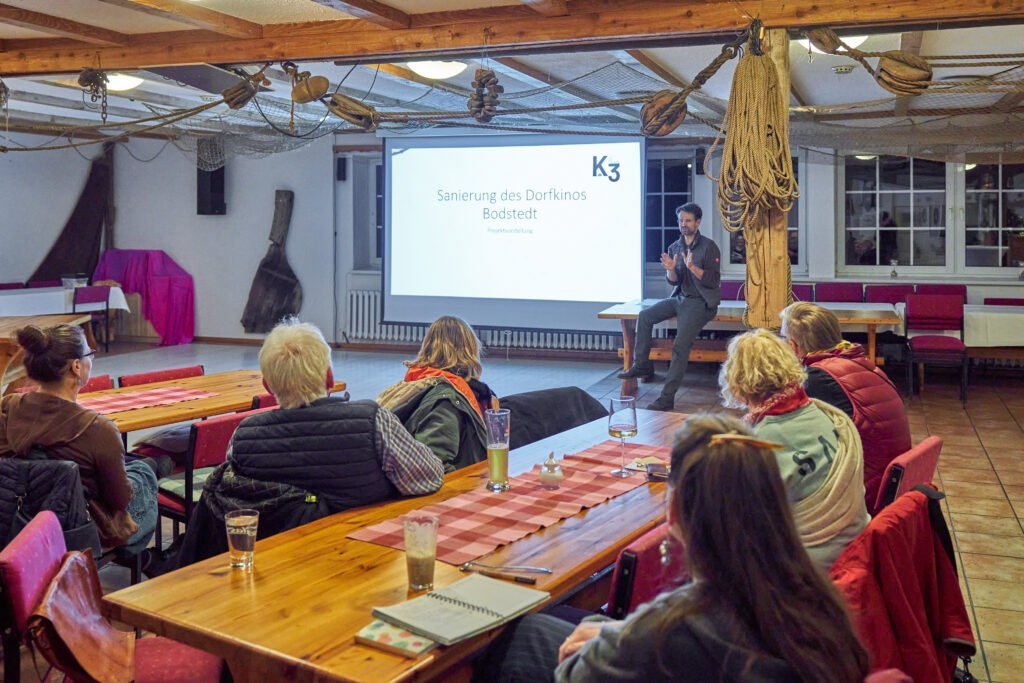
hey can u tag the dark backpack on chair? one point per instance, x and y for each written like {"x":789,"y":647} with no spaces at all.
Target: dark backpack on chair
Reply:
{"x":32,"y":484}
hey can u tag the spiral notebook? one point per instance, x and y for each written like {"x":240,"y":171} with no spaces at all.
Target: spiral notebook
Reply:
{"x":465,"y":608}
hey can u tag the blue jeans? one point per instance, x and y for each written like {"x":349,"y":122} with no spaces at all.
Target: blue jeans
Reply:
{"x":142,"y":506}
{"x":691,"y":314}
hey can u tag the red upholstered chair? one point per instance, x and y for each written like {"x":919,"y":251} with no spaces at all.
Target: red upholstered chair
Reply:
{"x":11,"y":285}
{"x":207,"y":447}
{"x":97,"y":383}
{"x":641,"y":574}
{"x":84,"y":296}
{"x":160,"y":376}
{"x":957,"y":290}
{"x":887,"y":294}
{"x":1003,"y":301}
{"x":804,"y":292}
{"x":839,"y":291}
{"x":732,"y":290}
{"x":28,"y":566}
{"x":936,"y":312}
{"x":907,"y":470}
{"x":263,"y":401}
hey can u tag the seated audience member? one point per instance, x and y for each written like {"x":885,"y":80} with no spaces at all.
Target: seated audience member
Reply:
{"x":121,"y":496}
{"x":840,"y":373}
{"x":441,"y":400}
{"x":821,"y":459}
{"x":757,"y":610}
{"x":348,"y":453}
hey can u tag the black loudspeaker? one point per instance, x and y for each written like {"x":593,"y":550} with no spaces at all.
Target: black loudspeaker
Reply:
{"x":340,"y":167}
{"x":699,"y":160}
{"x":210,"y":192}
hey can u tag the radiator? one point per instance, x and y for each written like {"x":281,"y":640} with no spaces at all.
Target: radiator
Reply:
{"x":364,"y":326}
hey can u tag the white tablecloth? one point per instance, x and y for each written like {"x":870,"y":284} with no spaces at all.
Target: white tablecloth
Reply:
{"x":50,"y":300}
{"x":993,"y":325}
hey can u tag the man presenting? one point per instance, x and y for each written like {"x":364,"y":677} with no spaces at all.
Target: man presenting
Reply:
{"x":693,"y":265}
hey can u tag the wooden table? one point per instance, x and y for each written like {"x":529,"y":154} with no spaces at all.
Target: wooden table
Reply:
{"x":234,"y":391}
{"x":311,"y":589}
{"x":730,"y":317}
{"x":10,"y":352}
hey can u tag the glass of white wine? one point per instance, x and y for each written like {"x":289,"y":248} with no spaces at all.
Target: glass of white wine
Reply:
{"x":622,"y":423}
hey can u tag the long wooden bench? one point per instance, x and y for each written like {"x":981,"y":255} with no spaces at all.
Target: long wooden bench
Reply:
{"x":702,"y":351}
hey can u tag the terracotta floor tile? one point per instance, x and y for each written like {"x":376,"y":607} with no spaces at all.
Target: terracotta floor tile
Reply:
{"x":981,"y":506}
{"x":1005,"y":595}
{"x":990,"y":544}
{"x":1005,"y":662}
{"x":981,"y":524}
{"x":1000,"y":625}
{"x":950,"y":472}
{"x":968,"y":489}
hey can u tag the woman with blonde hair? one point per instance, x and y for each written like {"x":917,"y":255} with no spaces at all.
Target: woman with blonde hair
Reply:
{"x":441,"y":399}
{"x":821,"y":460}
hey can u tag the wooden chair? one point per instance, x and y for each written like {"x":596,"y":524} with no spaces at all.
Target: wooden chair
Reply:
{"x":263,"y":401}
{"x":887,"y":294}
{"x":935,"y":313}
{"x":957,"y":290}
{"x":160,"y":375}
{"x":907,"y":470}
{"x":839,"y":291}
{"x":207,"y":447}
{"x":29,"y":567}
{"x":641,"y":573}
{"x":95,"y":295}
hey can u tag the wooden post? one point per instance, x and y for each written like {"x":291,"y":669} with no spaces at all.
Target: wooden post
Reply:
{"x":767,"y":289}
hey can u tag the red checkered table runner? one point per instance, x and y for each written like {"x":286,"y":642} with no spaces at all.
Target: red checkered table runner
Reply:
{"x":133,"y":400}
{"x":475,"y":523}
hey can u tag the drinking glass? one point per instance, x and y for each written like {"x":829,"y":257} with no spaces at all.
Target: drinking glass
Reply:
{"x":622,"y":423}
{"x":420,"y":549}
{"x":241,"y":526}
{"x":497,"y":423}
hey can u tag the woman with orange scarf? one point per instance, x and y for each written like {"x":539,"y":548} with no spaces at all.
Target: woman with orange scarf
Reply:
{"x":441,"y":400}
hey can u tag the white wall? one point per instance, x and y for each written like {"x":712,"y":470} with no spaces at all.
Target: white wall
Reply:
{"x":156,"y":209}
{"x":38,"y":191}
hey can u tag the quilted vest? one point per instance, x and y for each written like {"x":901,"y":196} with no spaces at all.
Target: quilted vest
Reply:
{"x":878,"y":413}
{"x":329,"y":447}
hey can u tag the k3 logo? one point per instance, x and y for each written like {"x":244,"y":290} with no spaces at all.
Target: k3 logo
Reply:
{"x":611,"y":173}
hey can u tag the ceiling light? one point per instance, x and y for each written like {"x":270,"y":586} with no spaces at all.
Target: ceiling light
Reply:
{"x":852,"y":42}
{"x":970,"y":167}
{"x":120,"y":82}
{"x":437,"y":70}
{"x":864,"y":157}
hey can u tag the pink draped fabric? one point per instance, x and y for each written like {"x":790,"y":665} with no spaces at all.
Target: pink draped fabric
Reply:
{"x":168,"y":295}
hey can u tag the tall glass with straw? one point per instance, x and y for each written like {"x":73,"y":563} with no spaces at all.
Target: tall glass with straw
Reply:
{"x":622,"y":423}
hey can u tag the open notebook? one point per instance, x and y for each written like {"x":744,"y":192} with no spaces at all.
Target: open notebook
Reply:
{"x":467,"y":607}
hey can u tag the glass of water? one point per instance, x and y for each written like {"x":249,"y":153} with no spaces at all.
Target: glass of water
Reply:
{"x":241,"y":526}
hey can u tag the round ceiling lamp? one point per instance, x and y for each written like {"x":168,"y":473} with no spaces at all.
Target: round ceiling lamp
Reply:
{"x":851,"y":41}
{"x":120,"y":82}
{"x":437,"y":71}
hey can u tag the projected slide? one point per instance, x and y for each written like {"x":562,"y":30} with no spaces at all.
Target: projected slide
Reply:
{"x":523,"y":219}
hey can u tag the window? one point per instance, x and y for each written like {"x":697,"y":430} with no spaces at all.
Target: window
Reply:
{"x":669,"y":184}
{"x":895,"y":211}
{"x":994,"y":215}
{"x":737,"y":242}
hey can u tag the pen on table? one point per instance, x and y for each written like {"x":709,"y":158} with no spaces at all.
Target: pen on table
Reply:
{"x":508,"y":577}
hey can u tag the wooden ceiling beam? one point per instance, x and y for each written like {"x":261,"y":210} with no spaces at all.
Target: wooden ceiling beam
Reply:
{"x":915,"y":113}
{"x":673,"y":79}
{"x":57,"y":26}
{"x":371,"y":11}
{"x":194,"y":15}
{"x":592,"y":24}
{"x":549,"y":8}
{"x":576,"y":91}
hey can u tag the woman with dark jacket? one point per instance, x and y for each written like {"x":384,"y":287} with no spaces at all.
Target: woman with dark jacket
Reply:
{"x":121,"y":497}
{"x":441,"y":399}
{"x":758,"y":610}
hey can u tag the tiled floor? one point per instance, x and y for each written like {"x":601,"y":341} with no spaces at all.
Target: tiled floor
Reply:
{"x":981,"y":468}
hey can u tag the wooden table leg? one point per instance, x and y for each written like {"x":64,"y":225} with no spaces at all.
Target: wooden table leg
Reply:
{"x":628,"y":342}
{"x":871,"y":344}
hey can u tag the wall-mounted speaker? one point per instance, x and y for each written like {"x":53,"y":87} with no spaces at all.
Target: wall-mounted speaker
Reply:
{"x":210,"y":199}
{"x":699,"y":160}
{"x":340,"y":168}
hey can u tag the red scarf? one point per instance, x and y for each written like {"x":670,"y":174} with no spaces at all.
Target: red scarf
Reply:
{"x":787,"y":400}
{"x":417,"y":372}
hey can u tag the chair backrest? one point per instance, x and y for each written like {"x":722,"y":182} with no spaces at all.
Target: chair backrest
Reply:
{"x":887,"y":294}
{"x":641,"y":574}
{"x":539,"y":414}
{"x":11,"y":285}
{"x":839,"y":291}
{"x":804,"y":292}
{"x":263,"y":401}
{"x":1003,"y":301}
{"x":934,"y":312}
{"x":209,"y":439}
{"x":732,"y":290}
{"x":907,"y":470}
{"x":97,"y":383}
{"x":956,"y":290}
{"x":43,"y":283}
{"x":29,"y":563}
{"x":91,"y":295}
{"x":160,"y":375}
